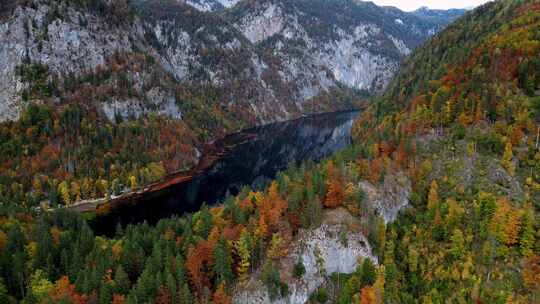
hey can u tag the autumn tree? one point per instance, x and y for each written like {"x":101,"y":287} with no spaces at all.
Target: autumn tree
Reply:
{"x":334,"y":195}
{"x":63,"y":189}
{"x":433,"y":196}
{"x":65,"y":291}
{"x":220,"y":296}
{"x":243,"y":249}
{"x":276,"y":249}
{"x":531,"y":272}
{"x":507,"y":160}
{"x":197,"y":257}
{"x":505,"y":223}
{"x":367,"y":295}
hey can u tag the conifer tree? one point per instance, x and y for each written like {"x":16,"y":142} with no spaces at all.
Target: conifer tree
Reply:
{"x":222,"y":263}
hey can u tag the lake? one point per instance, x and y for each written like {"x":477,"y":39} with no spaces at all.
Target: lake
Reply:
{"x":250,"y":157}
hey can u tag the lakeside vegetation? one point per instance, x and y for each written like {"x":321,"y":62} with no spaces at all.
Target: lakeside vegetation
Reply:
{"x":461,"y":121}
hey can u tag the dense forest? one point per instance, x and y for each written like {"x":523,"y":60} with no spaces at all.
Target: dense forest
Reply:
{"x":461,"y":121}
{"x":65,"y":150}
{"x":95,"y":133}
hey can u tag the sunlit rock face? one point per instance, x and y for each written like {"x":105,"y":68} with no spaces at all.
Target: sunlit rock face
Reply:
{"x":69,"y":46}
{"x":358,"y":44}
{"x":273,"y":59}
{"x":323,"y":251}
{"x":333,"y":247}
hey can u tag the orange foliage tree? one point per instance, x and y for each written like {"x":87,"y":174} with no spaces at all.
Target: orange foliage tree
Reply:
{"x":367,"y":295}
{"x":65,"y":291}
{"x":220,"y":296}
{"x":196,"y":264}
{"x":334,"y":194}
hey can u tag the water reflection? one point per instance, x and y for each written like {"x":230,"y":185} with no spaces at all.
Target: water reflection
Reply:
{"x":257,"y":155}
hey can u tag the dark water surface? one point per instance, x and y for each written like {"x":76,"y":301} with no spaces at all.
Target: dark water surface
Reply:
{"x":255,"y":157}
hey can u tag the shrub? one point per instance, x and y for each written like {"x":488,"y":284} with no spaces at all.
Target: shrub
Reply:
{"x":299,"y":269}
{"x":321,"y":296}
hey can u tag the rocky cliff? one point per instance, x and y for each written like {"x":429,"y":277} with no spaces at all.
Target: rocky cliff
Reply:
{"x":268,"y":60}
{"x":338,"y":245}
{"x":330,"y":248}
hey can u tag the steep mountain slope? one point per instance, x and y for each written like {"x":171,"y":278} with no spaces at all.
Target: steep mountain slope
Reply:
{"x":139,"y":86}
{"x":455,"y":140}
{"x":462,"y":117}
{"x":360,"y":44}
{"x":439,"y":15}
{"x":282,"y":74}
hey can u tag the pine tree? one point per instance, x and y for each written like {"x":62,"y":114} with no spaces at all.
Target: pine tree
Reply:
{"x":121,"y":281}
{"x":526,"y":241}
{"x":222,"y":263}
{"x":171,"y":286}
{"x":368,"y":273}
{"x":185,"y":296}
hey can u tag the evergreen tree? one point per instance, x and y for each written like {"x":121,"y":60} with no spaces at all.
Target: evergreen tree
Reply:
{"x":222,"y":263}
{"x":526,"y":241}
{"x":185,"y":296}
{"x":121,"y":280}
{"x":368,"y":273}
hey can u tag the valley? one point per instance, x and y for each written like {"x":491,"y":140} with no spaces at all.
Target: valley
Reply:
{"x":198,"y":124}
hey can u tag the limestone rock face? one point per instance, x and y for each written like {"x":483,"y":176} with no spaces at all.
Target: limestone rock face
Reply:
{"x":389,"y":198}
{"x":343,"y":40}
{"x":325,"y":250}
{"x":73,"y":44}
{"x":273,"y":59}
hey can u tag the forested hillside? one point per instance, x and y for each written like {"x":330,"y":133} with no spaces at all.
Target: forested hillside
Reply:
{"x":462,"y":118}
{"x":456,"y":138}
{"x":99,"y":98}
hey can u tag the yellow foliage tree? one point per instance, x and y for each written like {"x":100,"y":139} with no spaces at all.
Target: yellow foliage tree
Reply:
{"x":276,"y":250}
{"x":243,"y":250}
{"x":433,"y":196}
{"x":36,"y":184}
{"x":507,"y":162}
{"x":63,"y":189}
{"x":75,"y":191}
{"x":133,"y":182}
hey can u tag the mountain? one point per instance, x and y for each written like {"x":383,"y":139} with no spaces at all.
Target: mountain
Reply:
{"x":211,"y":5}
{"x":439,"y":15}
{"x":328,"y":43}
{"x":437,"y":200}
{"x":462,"y":117}
{"x":303,"y":54}
{"x":140,"y":86}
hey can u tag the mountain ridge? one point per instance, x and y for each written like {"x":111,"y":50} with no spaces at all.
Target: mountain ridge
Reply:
{"x":437,"y":199}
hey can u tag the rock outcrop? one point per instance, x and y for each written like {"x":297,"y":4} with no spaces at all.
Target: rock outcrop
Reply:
{"x":389,"y":198}
{"x":272,"y":59}
{"x":336,"y":246}
{"x":330,"y":248}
